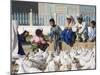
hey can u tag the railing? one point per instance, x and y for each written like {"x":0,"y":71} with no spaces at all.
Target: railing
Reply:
{"x":23,"y":18}
{"x":40,"y":20}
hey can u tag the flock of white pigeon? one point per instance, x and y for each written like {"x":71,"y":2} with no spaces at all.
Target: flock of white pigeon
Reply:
{"x":74,"y":59}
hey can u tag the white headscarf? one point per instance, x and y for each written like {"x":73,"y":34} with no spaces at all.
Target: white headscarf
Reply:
{"x":14,"y":39}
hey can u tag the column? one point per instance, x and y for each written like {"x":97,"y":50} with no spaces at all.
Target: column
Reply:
{"x":55,"y":17}
{"x":30,"y":17}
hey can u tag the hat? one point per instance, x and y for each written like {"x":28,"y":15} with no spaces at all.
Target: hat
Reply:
{"x":79,"y":18}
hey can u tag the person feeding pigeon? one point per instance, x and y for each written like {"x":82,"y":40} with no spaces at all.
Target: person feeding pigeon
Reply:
{"x":21,"y":40}
{"x":39,"y":40}
{"x":55,"y":36}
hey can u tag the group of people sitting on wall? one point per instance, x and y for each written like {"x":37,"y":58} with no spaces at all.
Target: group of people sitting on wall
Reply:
{"x":79,"y":31}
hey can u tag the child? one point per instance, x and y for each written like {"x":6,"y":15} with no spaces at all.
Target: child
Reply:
{"x":92,"y":31}
{"x":39,"y":40}
{"x":55,"y":35}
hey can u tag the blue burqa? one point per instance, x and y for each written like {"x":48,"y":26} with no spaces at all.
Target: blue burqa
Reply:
{"x":67,"y":36}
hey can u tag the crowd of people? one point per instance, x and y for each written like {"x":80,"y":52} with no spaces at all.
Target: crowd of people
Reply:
{"x":79,"y":31}
{"x":73,"y":31}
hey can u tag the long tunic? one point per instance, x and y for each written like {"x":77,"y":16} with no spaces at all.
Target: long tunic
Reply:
{"x":82,"y":32}
{"x":91,"y":33}
{"x":83,"y":27}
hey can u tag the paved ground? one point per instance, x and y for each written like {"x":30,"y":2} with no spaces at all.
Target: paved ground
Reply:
{"x":88,"y":45}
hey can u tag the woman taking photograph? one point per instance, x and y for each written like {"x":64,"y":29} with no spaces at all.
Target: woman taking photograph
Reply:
{"x":68,"y":36}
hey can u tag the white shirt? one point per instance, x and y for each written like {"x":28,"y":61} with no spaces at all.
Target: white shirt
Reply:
{"x":91,"y":33}
{"x":83,"y":27}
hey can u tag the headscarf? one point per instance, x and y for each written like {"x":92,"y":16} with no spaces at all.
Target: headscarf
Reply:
{"x":14,"y":38}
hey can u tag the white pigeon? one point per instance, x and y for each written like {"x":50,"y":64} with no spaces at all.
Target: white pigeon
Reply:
{"x":90,"y":64}
{"x":33,"y":70}
{"x":39,"y":53}
{"x":87,"y":57}
{"x":73,"y":67}
{"x":75,"y":64}
{"x":30,"y":63}
{"x":52,"y":66}
{"x":20,"y":66}
{"x":38,"y":57}
{"x":29,"y":69}
{"x":68,"y":59}
{"x":72,"y":54}
{"x":38,"y":60}
{"x":62,"y":53}
{"x":49,"y":58}
{"x":21,"y":69}
{"x":63,"y":67}
{"x":45,"y":54}
{"x":65,"y":64}
{"x":57,"y":59}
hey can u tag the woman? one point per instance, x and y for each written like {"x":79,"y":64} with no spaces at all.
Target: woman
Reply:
{"x":68,"y":35}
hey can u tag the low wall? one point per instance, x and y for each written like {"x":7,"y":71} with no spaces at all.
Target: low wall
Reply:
{"x":31,"y":29}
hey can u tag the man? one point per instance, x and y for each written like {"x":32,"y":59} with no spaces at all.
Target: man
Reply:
{"x":81,"y":30}
{"x":92,"y":31}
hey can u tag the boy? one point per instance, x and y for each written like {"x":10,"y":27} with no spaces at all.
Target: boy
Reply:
{"x":55,"y":35}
